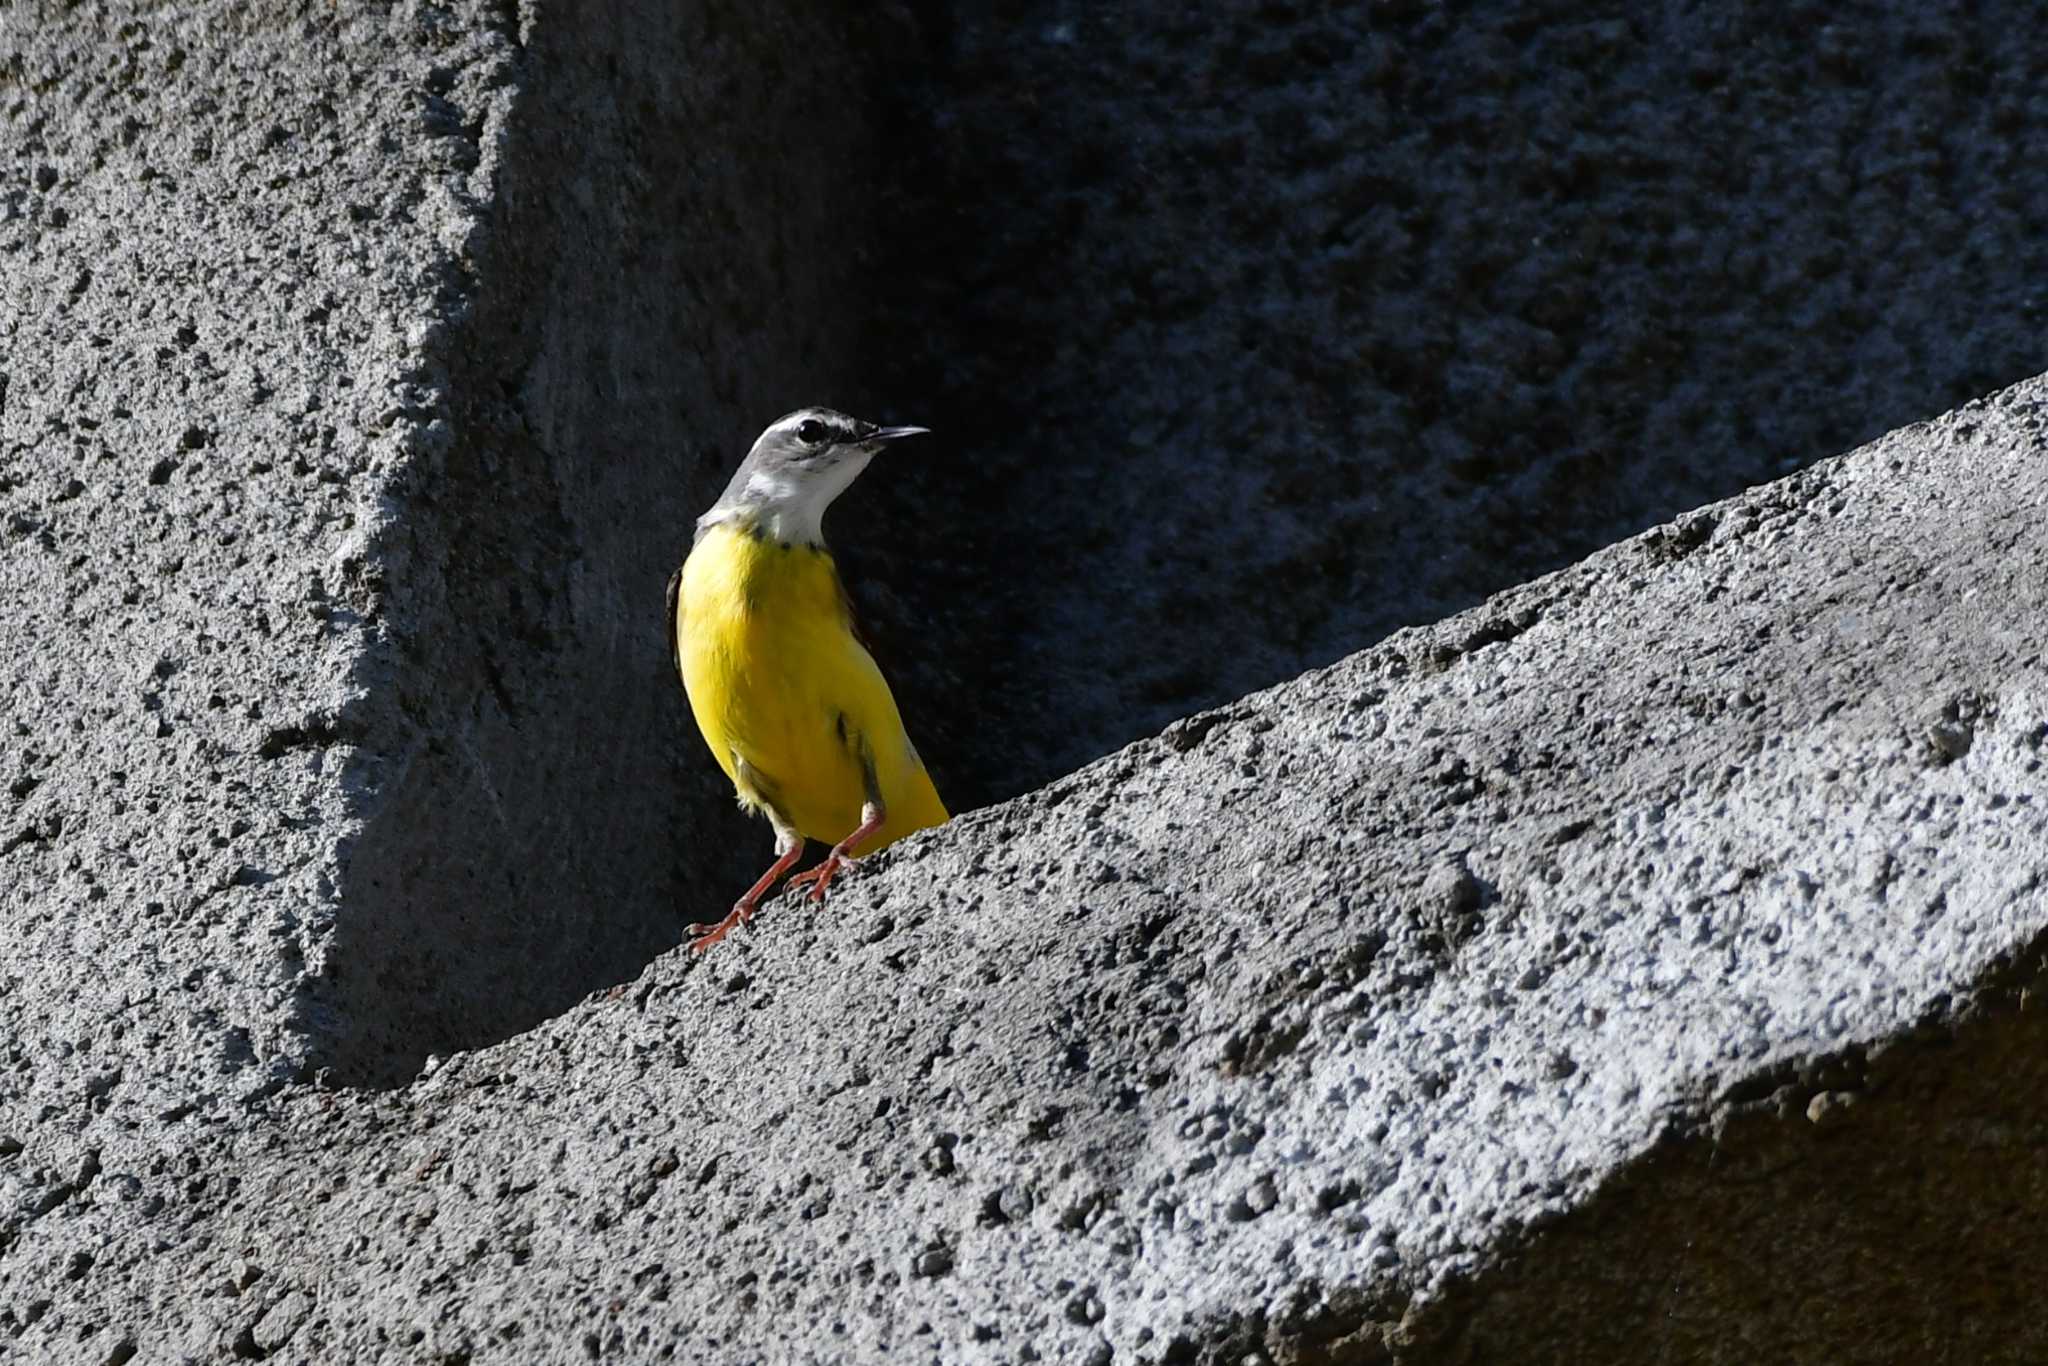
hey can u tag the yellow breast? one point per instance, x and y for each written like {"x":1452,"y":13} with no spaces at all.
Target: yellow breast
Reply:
{"x":777,"y":679}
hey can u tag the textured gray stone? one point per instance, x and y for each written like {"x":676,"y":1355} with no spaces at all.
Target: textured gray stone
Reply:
{"x":541,"y":823}
{"x":1649,"y":955}
{"x":1310,"y":321}
{"x":1755,"y":808}
{"x":225,"y":272}
{"x":346,"y":736}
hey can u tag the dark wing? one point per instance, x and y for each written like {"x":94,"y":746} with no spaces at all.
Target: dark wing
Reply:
{"x":675,"y":644}
{"x":846,"y":611}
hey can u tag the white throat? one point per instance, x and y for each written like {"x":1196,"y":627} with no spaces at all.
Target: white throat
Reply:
{"x":798,"y":521}
{"x":788,"y":505}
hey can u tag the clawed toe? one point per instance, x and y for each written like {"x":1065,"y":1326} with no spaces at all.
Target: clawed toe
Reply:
{"x":704,"y":936}
{"x":820,"y":877}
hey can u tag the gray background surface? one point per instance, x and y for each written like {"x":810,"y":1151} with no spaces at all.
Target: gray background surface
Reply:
{"x":1648,"y":950}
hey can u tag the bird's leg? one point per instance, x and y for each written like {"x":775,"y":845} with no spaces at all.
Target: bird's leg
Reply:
{"x":789,"y":846}
{"x":871,"y":817}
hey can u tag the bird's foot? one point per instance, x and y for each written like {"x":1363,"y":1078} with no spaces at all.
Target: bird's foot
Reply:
{"x":841,"y":856}
{"x":821,"y":876}
{"x":788,"y":851}
{"x":703,"y":937}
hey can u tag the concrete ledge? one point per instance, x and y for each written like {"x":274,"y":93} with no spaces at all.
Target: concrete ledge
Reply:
{"x":1681,"y":911}
{"x":359,"y":377}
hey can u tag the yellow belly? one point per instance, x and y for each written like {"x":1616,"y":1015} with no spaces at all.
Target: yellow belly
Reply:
{"x":786,"y":696}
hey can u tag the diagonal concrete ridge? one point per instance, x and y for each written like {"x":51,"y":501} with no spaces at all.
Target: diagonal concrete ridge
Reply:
{"x":1282,"y":1031}
{"x":1645,"y":962}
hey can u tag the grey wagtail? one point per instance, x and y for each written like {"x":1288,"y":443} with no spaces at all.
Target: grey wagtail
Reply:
{"x":790,"y":701}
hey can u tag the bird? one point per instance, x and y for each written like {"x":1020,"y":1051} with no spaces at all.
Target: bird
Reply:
{"x":794,"y":708}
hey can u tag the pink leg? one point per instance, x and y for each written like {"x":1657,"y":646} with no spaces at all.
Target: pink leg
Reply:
{"x":842,"y":853}
{"x":704,"y":936}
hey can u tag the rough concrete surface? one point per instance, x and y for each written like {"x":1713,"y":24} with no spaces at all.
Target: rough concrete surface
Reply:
{"x":349,"y":737}
{"x":226,"y":258}
{"x":543,"y":823}
{"x":1684,"y":911}
{"x":1275,"y":326}
{"x":1647,"y":956}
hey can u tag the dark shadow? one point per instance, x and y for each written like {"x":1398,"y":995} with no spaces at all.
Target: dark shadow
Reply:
{"x":1859,"y":1208}
{"x":1251,"y":334}
{"x":667,"y":267}
{"x":1257,"y":331}
{"x":1866,"y":1206}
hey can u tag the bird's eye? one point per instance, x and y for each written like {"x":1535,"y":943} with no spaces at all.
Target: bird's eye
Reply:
{"x":812,"y":432}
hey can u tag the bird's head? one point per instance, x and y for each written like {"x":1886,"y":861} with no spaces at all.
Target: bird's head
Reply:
{"x":802,"y":462}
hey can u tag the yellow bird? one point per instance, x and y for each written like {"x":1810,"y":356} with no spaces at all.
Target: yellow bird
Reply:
{"x":790,"y":701}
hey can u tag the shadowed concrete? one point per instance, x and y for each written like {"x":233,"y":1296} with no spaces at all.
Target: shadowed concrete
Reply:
{"x":1273,"y":327}
{"x":1683,"y":911}
{"x":360,"y":376}
{"x":548,"y":822}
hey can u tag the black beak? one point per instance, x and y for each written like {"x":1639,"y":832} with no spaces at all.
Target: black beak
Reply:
{"x":880,"y":434}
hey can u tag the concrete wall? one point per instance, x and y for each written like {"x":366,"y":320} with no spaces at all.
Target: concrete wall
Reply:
{"x":360,"y":376}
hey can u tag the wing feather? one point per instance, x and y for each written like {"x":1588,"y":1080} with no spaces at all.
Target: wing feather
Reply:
{"x":846,"y":612}
{"x":675,"y":625}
